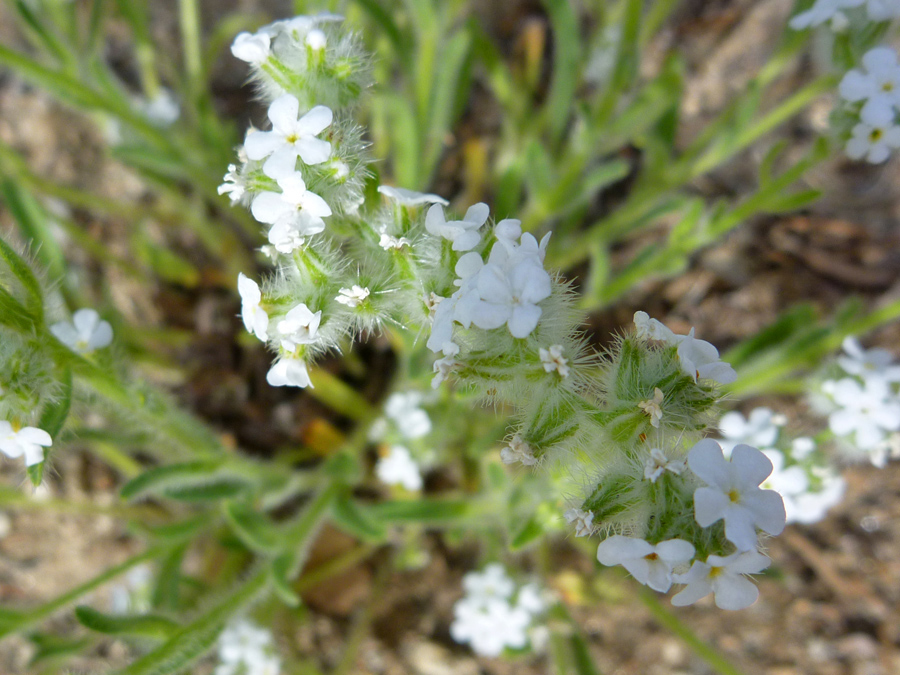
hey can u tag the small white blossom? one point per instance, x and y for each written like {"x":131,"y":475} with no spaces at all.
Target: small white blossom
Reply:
{"x":403,"y":408}
{"x":463,"y":233}
{"x":27,"y":442}
{"x":883,"y":10}
{"x":552,"y":359}
{"x":651,"y":329}
{"x":649,"y":564}
{"x":406,"y":197}
{"x":256,"y":321}
{"x":162,"y":110}
{"x":443,"y":367}
{"x":489,"y":626}
{"x":873,"y":141}
{"x":652,"y":407}
{"x":352,"y":297}
{"x":657,"y":464}
{"x":291,"y":137}
{"x":878,"y":86}
{"x":391,"y":243}
{"x":868,"y":363}
{"x":583,"y":520}
{"x":399,"y":468}
{"x":700,"y":360}
{"x":85,"y":334}
{"x":246,"y":649}
{"x":759,"y":429}
{"x":289,"y":372}
{"x":518,"y":451}
{"x":802,"y":447}
{"x":492,"y":582}
{"x":811,"y":507}
{"x":825,"y":11}
{"x":254,"y":49}
{"x":723,"y":576}
{"x":294,"y":209}
{"x":790,"y":482}
{"x":233,"y":185}
{"x":865,"y":411}
{"x":299,"y":327}
{"x":733,"y":492}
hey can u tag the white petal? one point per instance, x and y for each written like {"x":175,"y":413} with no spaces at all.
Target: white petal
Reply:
{"x":615,"y":549}
{"x":315,"y":121}
{"x":740,"y":528}
{"x":675,"y":551}
{"x":313,"y":150}
{"x":35,"y":436}
{"x":478,"y":213}
{"x":65,"y":333}
{"x":524,"y":320}
{"x":283,"y":114}
{"x":734,"y":592}
{"x":707,"y":461}
{"x":101,"y":337}
{"x":259,"y":144}
{"x":692,"y":593}
{"x":751,"y":466}
{"x":315,"y":205}
{"x":282,"y":163}
{"x":709,"y":505}
{"x":269,"y":207}
{"x":855,"y":86}
{"x":466,"y":241}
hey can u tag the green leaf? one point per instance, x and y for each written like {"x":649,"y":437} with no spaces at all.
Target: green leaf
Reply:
{"x":45,"y":35}
{"x":167,"y":591}
{"x":437,"y":511}
{"x":566,"y":65}
{"x":352,"y":517}
{"x":255,"y":531}
{"x":13,"y":314}
{"x":138,"y":625}
{"x":159,"y":478}
{"x":282,"y":568}
{"x":213,"y":489}
{"x":530,"y":532}
{"x":34,"y":226}
{"x":34,"y":300}
{"x":53,"y":648}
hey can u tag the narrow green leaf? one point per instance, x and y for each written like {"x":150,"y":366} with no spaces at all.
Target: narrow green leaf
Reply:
{"x":45,"y":34}
{"x":34,"y":298}
{"x":159,"y":478}
{"x":138,"y":625}
{"x":530,"y":532}
{"x":281,"y":584}
{"x":167,"y":589}
{"x":566,"y":65}
{"x":35,"y":227}
{"x":212,"y":489}
{"x":52,"y":419}
{"x":437,"y":511}
{"x":354,"y":518}
{"x":50,"y":648}
{"x":255,"y":531}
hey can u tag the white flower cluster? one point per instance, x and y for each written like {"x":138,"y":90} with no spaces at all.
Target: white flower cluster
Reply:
{"x":806,"y":482}
{"x":495,"y":614}
{"x":863,"y":404}
{"x":875,"y":91}
{"x":834,"y":12}
{"x":731,"y":493}
{"x":406,"y":419}
{"x":246,"y":649}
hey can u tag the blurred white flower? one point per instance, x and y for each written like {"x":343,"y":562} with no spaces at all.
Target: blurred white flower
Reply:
{"x":873,"y":141}
{"x":864,"y":412}
{"x":759,"y":429}
{"x":399,"y":468}
{"x":657,"y":464}
{"x":26,"y":441}
{"x":518,"y":451}
{"x":85,"y":334}
{"x":868,"y":363}
{"x":256,"y":321}
{"x":411,"y":420}
{"x":583,"y":521}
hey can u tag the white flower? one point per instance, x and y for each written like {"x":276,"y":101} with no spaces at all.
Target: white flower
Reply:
{"x":883,"y":10}
{"x":811,"y":507}
{"x":552,"y":359}
{"x":352,"y":297}
{"x":256,"y":321}
{"x":759,"y":429}
{"x":874,"y":142}
{"x":294,"y":209}
{"x":649,"y":564}
{"x":531,"y":599}
{"x":233,"y":185}
{"x":865,"y":411}
{"x":583,"y":520}
{"x":824,"y":11}
{"x":389,"y":242}
{"x":399,"y":468}
{"x":162,"y":110}
{"x":802,"y":447}
{"x":403,"y":408}
{"x":243,"y":642}
{"x":443,"y":367}
{"x":518,"y":451}
{"x":878,"y":86}
{"x":651,"y":329}
{"x":700,"y":360}
{"x":492,"y":582}
{"x":316,"y":40}
{"x":657,"y":464}
{"x":489,"y":626}
{"x":406,"y":197}
{"x":289,"y":372}
{"x":724,"y":577}
{"x":86,"y":333}
{"x":733,"y":493}
{"x":652,"y":407}
{"x":790,"y":483}
{"x":299,"y":327}
{"x":872,"y":363}
{"x":463,"y":233}
{"x":254,"y":49}
{"x":27,"y":442}
{"x":291,"y":137}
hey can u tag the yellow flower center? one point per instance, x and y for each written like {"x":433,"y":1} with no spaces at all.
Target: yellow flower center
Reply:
{"x":715,"y":571}
{"x":875,"y":135}
{"x":734,"y":496}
